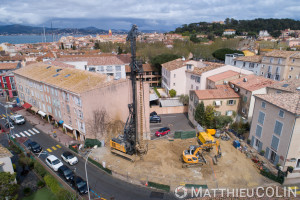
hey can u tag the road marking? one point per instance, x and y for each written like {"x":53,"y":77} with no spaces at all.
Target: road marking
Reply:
{"x":17,"y":135}
{"x":294,"y":187}
{"x":169,"y":116}
{"x":53,"y":148}
{"x":3,"y":115}
{"x":35,"y":130}
{"x":22,"y":134}
{"x":58,"y":146}
{"x":33,"y":133}
{"x":13,"y":137}
{"x":27,"y":133}
{"x":49,"y":150}
{"x":298,"y":192}
{"x":11,"y":113}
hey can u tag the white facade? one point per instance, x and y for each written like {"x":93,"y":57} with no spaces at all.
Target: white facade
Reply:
{"x":118,"y":71}
{"x":250,"y":66}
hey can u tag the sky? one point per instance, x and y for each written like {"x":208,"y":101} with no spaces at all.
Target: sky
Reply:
{"x":147,"y":14}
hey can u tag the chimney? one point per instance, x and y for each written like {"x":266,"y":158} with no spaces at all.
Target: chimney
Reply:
{"x":245,"y":79}
{"x":183,"y":58}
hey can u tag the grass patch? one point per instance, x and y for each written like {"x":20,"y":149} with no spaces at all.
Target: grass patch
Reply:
{"x":156,"y":91}
{"x":43,"y":193}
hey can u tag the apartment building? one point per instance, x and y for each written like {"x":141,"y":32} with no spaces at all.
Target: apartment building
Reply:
{"x":275,"y":129}
{"x":229,"y":32}
{"x":8,"y":84}
{"x":224,"y":99}
{"x":247,"y":87}
{"x":221,"y":79}
{"x":108,"y":65}
{"x":150,"y":74}
{"x":73,"y":97}
{"x":251,"y":63}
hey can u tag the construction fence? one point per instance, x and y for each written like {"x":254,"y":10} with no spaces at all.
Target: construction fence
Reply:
{"x":184,"y":134}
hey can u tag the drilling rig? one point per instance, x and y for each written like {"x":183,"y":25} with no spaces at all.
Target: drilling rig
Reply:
{"x":131,"y":142}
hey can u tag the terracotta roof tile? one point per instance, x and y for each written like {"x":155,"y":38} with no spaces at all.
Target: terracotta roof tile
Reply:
{"x":101,"y":60}
{"x":222,"y":92}
{"x":280,"y":53}
{"x":256,"y":59}
{"x":8,"y":65}
{"x":59,"y":64}
{"x":222,"y":76}
{"x":253,"y":82}
{"x":174,"y":64}
{"x":287,"y":85}
{"x":209,"y":66}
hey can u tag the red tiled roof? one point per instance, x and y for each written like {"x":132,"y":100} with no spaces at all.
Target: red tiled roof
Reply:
{"x":101,"y":60}
{"x":253,"y":82}
{"x":222,"y":76}
{"x":174,"y":64}
{"x":222,"y":92}
{"x":59,"y":64}
{"x":8,"y":65}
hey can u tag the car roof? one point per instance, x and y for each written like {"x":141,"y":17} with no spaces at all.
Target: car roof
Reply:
{"x":52,"y":157}
{"x":67,"y":153}
{"x":33,"y":142}
{"x":17,"y":115}
{"x":64,"y":168}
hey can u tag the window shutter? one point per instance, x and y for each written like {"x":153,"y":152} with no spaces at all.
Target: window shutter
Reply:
{"x":234,"y":102}
{"x":227,"y":102}
{"x":214,"y":103}
{"x":276,"y":159}
{"x":278,"y":128}
{"x":267,"y":153}
{"x":261,"y":118}
{"x":252,"y":141}
{"x":260,"y":147}
{"x":275,"y":142}
{"x":258,"y":131}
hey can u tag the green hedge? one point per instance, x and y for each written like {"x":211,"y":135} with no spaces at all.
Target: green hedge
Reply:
{"x":272,"y":176}
{"x":39,"y":169}
{"x":72,"y":148}
{"x":91,"y":143}
{"x":157,"y":93}
{"x":159,"y":186}
{"x":100,"y":166}
{"x":53,"y":184}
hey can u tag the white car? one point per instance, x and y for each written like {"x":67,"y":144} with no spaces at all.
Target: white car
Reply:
{"x":17,"y":119}
{"x":69,"y":158}
{"x":53,"y":162}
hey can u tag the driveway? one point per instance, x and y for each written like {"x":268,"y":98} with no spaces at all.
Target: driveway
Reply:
{"x":176,"y":122}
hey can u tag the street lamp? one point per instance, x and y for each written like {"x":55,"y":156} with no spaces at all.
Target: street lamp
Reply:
{"x":86,"y":175}
{"x":6,"y":106}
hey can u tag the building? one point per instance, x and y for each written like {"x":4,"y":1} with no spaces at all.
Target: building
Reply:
{"x":7,"y":66}
{"x":229,"y":58}
{"x":263,"y":33}
{"x":223,"y":98}
{"x":109,"y":65}
{"x":221,"y":79}
{"x":275,"y":129}
{"x":251,"y":63}
{"x":150,"y":74}
{"x":5,"y":160}
{"x":73,"y":98}
{"x":247,"y":87}
{"x":229,"y":32}
{"x":8,"y":84}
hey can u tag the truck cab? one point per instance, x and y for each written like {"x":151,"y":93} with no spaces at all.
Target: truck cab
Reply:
{"x":17,"y":119}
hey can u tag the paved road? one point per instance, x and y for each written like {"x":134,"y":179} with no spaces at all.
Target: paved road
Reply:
{"x":102,"y":184}
{"x":176,"y":122}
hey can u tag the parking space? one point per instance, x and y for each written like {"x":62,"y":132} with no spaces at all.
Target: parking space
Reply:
{"x":176,"y":122}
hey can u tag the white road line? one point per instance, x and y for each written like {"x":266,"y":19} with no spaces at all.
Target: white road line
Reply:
{"x":22,"y":134}
{"x":17,"y":135}
{"x":35,"y":130}
{"x":27,"y":133}
{"x":168,"y":116}
{"x":33,"y":133}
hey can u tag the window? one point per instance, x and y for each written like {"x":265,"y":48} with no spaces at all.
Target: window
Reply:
{"x":118,"y":75}
{"x":293,"y":60}
{"x":278,"y":91}
{"x":173,"y":84}
{"x":56,"y":93}
{"x":197,"y":79}
{"x":174,"y":75}
{"x":278,"y":128}
{"x":80,"y":114}
{"x":263,"y":104}
{"x":229,"y":112}
{"x":92,"y":69}
{"x":262,"y":73}
{"x":275,"y":142}
{"x":68,"y":108}
{"x":197,"y":88}
{"x":273,"y":156}
{"x":234,"y":63}
{"x":109,"y":68}
{"x":243,"y":110}
{"x":49,"y":109}
{"x":231,"y":102}
{"x":281,"y":113}
{"x":244,"y":63}
{"x":258,"y":131}
{"x":118,"y":68}
{"x":261,"y":118}
{"x":279,"y":61}
{"x":271,"y":60}
{"x":290,"y":76}
{"x":298,"y":163}
{"x":52,"y":91}
{"x":257,"y":142}
{"x":4,"y":79}
{"x":189,"y":67}
{"x":291,"y":68}
{"x":245,"y":99}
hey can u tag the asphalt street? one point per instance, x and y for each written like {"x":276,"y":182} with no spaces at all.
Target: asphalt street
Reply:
{"x":101,"y":184}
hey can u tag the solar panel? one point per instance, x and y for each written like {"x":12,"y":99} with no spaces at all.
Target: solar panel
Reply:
{"x":55,"y":75}
{"x":285,"y":85}
{"x":67,"y":75}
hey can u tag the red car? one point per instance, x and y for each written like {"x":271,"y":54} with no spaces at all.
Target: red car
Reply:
{"x":162,"y":131}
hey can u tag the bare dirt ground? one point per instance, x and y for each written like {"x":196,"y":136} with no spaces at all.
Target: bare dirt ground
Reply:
{"x":162,"y":164}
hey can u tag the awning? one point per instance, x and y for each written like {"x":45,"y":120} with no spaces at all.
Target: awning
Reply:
{"x":68,"y":127}
{"x":61,"y":121}
{"x":41,"y":113}
{"x":34,"y":109}
{"x":218,"y":103}
{"x":26,"y":105}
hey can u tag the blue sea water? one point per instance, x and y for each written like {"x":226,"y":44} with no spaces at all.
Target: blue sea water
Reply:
{"x":22,"y":39}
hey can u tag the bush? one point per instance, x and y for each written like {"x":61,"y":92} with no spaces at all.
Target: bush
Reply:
{"x":91,"y":143}
{"x":39,"y":169}
{"x":222,"y":121}
{"x":52,"y":183}
{"x":99,"y":165}
{"x":40,"y":184}
{"x":172,"y":93}
{"x":279,"y":179}
{"x":73,"y":149}
{"x":159,"y":186}
{"x":15,"y":148}
{"x":157,"y":93}
{"x":27,"y":191}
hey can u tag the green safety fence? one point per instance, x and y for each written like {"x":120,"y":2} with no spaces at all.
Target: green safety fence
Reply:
{"x":196,"y":186}
{"x":159,"y":186}
{"x":188,"y":134}
{"x":177,"y":134}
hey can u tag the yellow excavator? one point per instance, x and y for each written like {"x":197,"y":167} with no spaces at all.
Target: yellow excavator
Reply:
{"x":194,"y":155}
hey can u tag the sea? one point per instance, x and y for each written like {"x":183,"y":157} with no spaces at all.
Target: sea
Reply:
{"x":24,"y":39}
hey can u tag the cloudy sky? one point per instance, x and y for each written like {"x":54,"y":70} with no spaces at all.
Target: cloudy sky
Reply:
{"x":147,"y":14}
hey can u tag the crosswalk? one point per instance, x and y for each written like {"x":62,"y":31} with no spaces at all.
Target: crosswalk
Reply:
{"x":26,"y":133}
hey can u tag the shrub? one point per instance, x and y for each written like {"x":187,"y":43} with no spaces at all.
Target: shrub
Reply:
{"x":40,"y":184}
{"x":52,"y":183}
{"x":172,"y":93}
{"x":279,"y":179}
{"x":27,"y":191}
{"x":157,"y":93}
{"x":73,"y":149}
{"x":15,"y":148}
{"x":262,"y":152}
{"x":99,"y":165}
{"x":39,"y":169}
{"x":159,"y":186}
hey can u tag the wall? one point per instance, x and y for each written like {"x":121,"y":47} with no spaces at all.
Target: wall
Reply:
{"x":179,"y":80}
{"x":169,"y":110}
{"x":252,"y":101}
{"x":192,"y":84}
{"x":7,"y":167}
{"x":255,"y":69}
{"x":78,"y":65}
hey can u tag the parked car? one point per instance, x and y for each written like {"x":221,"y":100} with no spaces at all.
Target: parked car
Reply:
{"x":153,"y":113}
{"x":69,"y":158}
{"x":162,"y":131}
{"x":17,"y":119}
{"x":155,"y":119}
{"x":53,"y":162}
{"x":79,"y":184}
{"x":66,"y":172}
{"x":34,"y":147}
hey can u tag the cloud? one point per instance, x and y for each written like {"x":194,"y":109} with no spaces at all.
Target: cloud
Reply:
{"x":153,"y":14}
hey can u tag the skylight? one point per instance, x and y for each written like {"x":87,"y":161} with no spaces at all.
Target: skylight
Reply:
{"x":55,"y":75}
{"x":285,"y":85}
{"x":57,"y":70}
{"x":67,"y":75}
{"x":48,"y":67}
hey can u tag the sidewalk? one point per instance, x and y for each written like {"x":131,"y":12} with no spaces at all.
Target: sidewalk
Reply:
{"x":47,"y":128}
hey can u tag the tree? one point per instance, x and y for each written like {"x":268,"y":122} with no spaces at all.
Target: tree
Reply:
{"x":194,"y":38}
{"x":220,"y":53}
{"x":62,"y":46}
{"x":74,"y":47}
{"x":200,"y":113}
{"x":222,"y":121}
{"x":120,"y":51}
{"x":8,"y":188}
{"x":163,"y":58}
{"x":209,"y":116}
{"x":172,"y":93}
{"x":275,"y":34}
{"x":184,"y":99}
{"x":97,"y":45}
